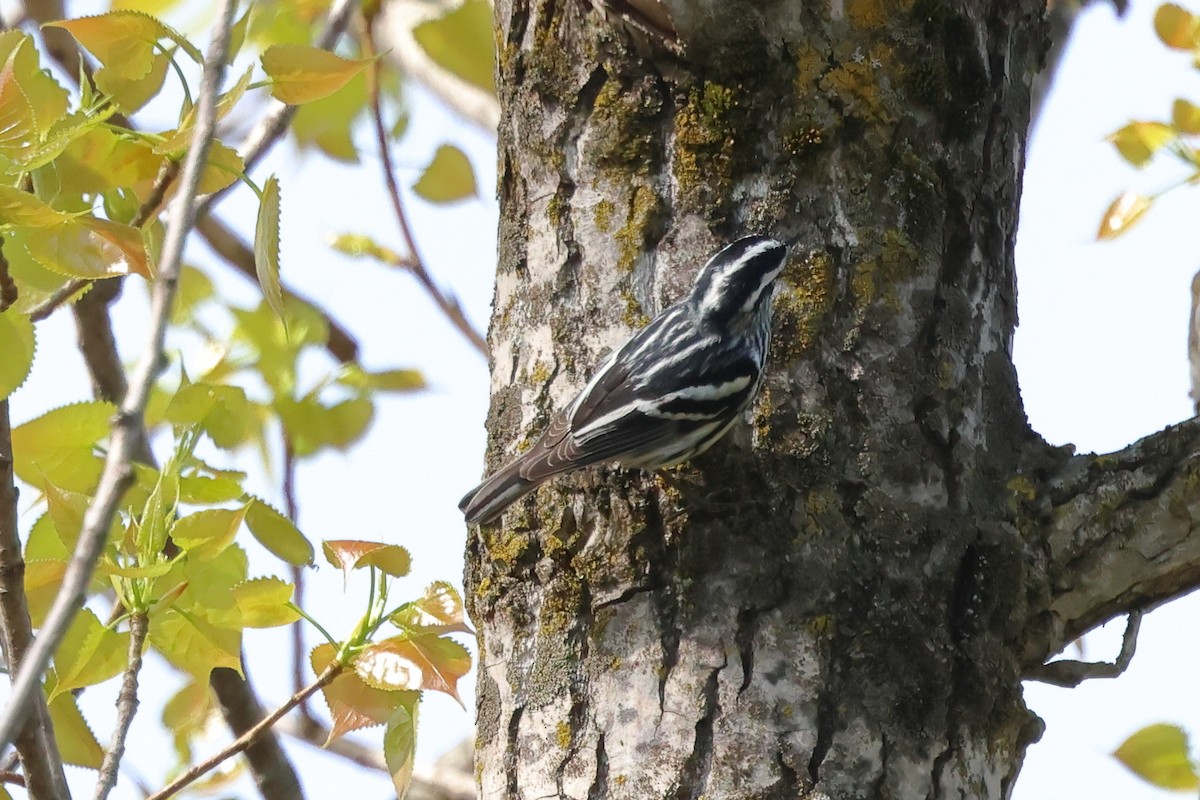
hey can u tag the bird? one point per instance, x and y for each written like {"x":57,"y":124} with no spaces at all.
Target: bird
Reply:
{"x":667,"y":394}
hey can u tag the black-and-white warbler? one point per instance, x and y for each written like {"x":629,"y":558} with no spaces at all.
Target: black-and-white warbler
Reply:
{"x":669,"y":392}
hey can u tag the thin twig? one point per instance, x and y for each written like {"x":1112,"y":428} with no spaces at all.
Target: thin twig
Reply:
{"x":244,"y":741}
{"x":127,"y":705}
{"x":36,"y":745}
{"x":12,"y":778}
{"x":118,"y":472}
{"x":446,"y":302}
{"x":292,"y":509}
{"x":1069,"y":673}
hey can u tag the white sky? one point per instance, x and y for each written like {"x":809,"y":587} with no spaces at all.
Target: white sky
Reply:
{"x":1101,"y":353}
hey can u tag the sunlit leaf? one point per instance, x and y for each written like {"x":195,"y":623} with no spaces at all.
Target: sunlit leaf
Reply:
{"x":266,"y":247}
{"x":1137,"y":142}
{"x":58,"y":446}
{"x":448,"y":177}
{"x":461,"y":42}
{"x":388,"y":380}
{"x":99,"y":160}
{"x":419,"y":662}
{"x":46,"y":97}
{"x":123,"y":41}
{"x":187,"y":714}
{"x":311,"y":425}
{"x":221,"y":411}
{"x":35,"y":283}
{"x":351,"y":554}
{"x":206,"y":533}
{"x":352,"y":704}
{"x":18,"y":346}
{"x":301,"y":74}
{"x":178,"y":140}
{"x":327,"y":123}
{"x":359,"y":245}
{"x":1185,"y":116}
{"x":400,"y":746}
{"x":195,"y":289}
{"x":42,"y":581}
{"x":263,"y":602}
{"x":276,"y":532}
{"x":76,"y":743}
{"x":1159,"y":754}
{"x":1122,"y":213}
{"x":1176,"y":26}
{"x":130,"y":94}
{"x":205,"y":489}
{"x":438,"y":611}
{"x":89,"y":248}
{"x":90,"y":653}
{"x":18,"y":126}
{"x":22,"y":208}
{"x":195,"y":645}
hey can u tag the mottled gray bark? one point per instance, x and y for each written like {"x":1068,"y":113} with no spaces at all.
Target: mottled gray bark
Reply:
{"x":842,"y":595}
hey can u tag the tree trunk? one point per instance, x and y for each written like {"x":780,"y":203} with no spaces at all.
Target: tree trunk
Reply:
{"x":841,"y":596}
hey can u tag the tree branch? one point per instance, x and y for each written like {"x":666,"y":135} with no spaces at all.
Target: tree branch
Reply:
{"x":273,"y":772}
{"x":36,"y":745}
{"x":118,"y":472}
{"x":246,"y":739}
{"x":1069,"y":673}
{"x":447,"y":303}
{"x":1119,"y":532}
{"x":127,"y":705}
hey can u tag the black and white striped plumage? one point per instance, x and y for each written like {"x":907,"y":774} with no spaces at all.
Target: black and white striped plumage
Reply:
{"x":669,"y":392}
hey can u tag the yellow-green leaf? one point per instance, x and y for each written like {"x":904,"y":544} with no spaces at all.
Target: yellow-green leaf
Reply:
{"x":1122,"y":213}
{"x":400,"y":747}
{"x":438,"y":611}
{"x":311,"y":425}
{"x":327,"y":123}
{"x":46,"y":97}
{"x":17,"y":344}
{"x":35,"y":283}
{"x":123,"y":41}
{"x":42,"y":580}
{"x":187,"y":714}
{"x":130,"y":93}
{"x":221,"y":411}
{"x":388,"y":380}
{"x":18,"y":127}
{"x":350,"y":554}
{"x":1176,"y":26}
{"x":353,"y":704}
{"x":204,"y":489}
{"x":448,"y":177}
{"x":266,"y":247}
{"x":1185,"y":116}
{"x":462,"y":42}
{"x":178,"y":140}
{"x":276,"y":532}
{"x":76,"y":743}
{"x":22,"y":208}
{"x":263,"y":602}
{"x":89,"y":248}
{"x":420,"y":662}
{"x":1137,"y":142}
{"x":1159,"y":754}
{"x":90,"y":653}
{"x":194,"y":644}
{"x":58,"y":446}
{"x":223,"y":168}
{"x":66,"y":510}
{"x":359,"y":245}
{"x":206,"y":533}
{"x":301,"y":74}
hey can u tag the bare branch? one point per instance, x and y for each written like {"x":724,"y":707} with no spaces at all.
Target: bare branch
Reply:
{"x":127,"y":705}
{"x":273,"y":772}
{"x":448,"y":304}
{"x":1119,"y":531}
{"x":246,"y":739}
{"x":35,"y":744}
{"x":12,"y":778}
{"x":228,"y":245}
{"x":117,"y":466}
{"x":1070,"y":673}
{"x":398,"y":19}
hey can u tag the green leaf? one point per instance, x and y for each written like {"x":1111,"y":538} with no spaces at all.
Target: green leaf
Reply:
{"x":187,"y":714}
{"x":58,"y":446}
{"x":1137,"y":142}
{"x":89,"y":248}
{"x":302,"y":74}
{"x":1159,"y":754}
{"x":76,"y":743}
{"x":194,"y":644}
{"x":276,"y":532}
{"x":328,"y":123}
{"x":352,"y":703}
{"x":221,"y":411}
{"x":312,"y":425}
{"x":438,"y":611}
{"x":206,"y":533}
{"x":1122,"y":213}
{"x":90,"y":653}
{"x":195,"y":289}
{"x":448,"y":177}
{"x":123,"y":41}
{"x":1176,"y":26}
{"x":358,"y":245}
{"x":388,"y":380}
{"x":400,"y":746}
{"x":42,"y":581}
{"x":35,"y":283}
{"x":1185,"y":116}
{"x":47,"y":99}
{"x":263,"y":602}
{"x":66,"y":510}
{"x":409,"y":663}
{"x":266,"y":247}
{"x":462,"y":43}
{"x":205,"y":490}
{"x":130,"y":94}
{"x":22,"y":208}
{"x":18,"y":126}
{"x":223,"y":168}
{"x":351,"y":554}
{"x":18,"y":345}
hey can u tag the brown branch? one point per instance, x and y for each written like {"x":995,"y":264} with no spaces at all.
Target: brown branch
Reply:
{"x":448,"y":304}
{"x":246,"y":739}
{"x":1070,"y":673}
{"x":237,"y":253}
{"x":127,"y":705}
{"x":1118,"y":532}
{"x":118,"y":472}
{"x":36,"y":746}
{"x":12,"y":778}
{"x":273,"y":772}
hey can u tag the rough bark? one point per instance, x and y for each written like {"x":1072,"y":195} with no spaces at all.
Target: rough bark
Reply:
{"x":842,"y":595}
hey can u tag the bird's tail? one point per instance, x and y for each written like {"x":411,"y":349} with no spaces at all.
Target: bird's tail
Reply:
{"x":485,"y":502}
